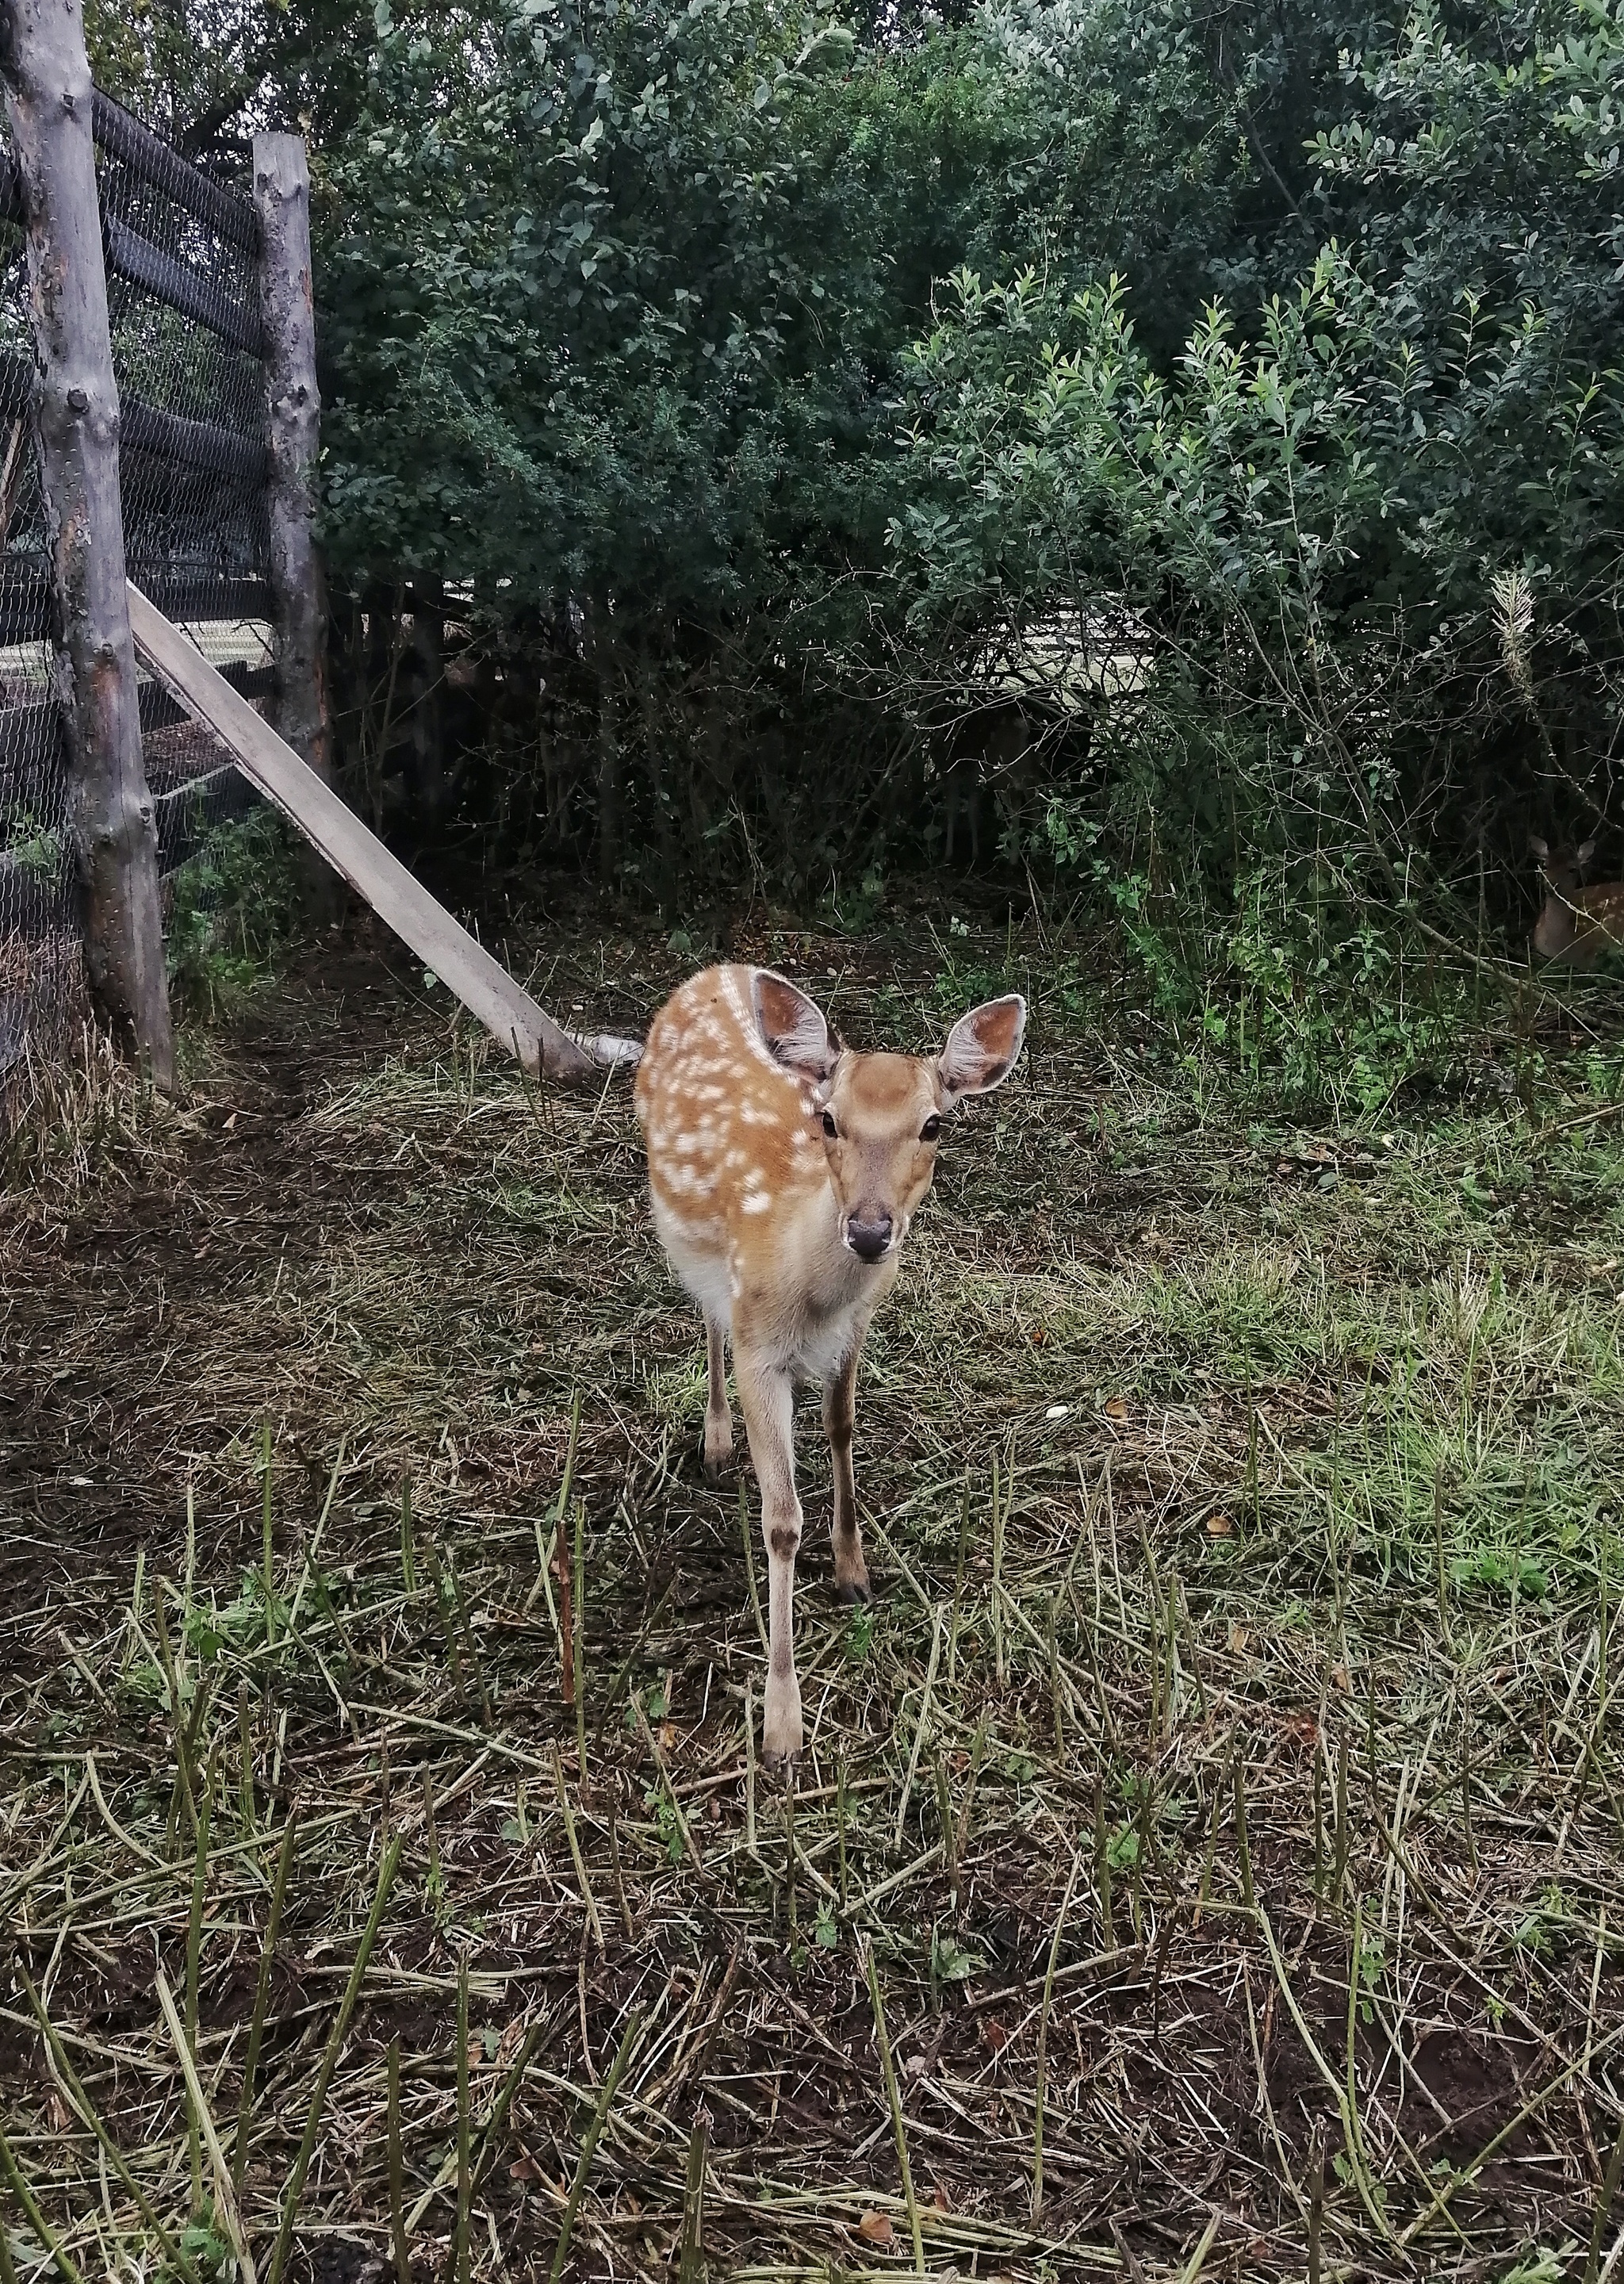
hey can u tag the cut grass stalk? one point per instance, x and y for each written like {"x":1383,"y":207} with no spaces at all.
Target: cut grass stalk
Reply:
{"x":750,"y":1778}
{"x":1196,"y":2261}
{"x":459,"y":2261}
{"x":1316,"y":2205}
{"x":998,"y":1593}
{"x":91,"y":2118}
{"x":894,"y":2100}
{"x":267,"y":1552}
{"x":409,"y":1552}
{"x":1604,"y":2206}
{"x":588,"y":1899}
{"x":918,"y":1740}
{"x":566,"y":1483}
{"x":567,"y":1618}
{"x":1357,"y":2168}
{"x":182,"y":1758}
{"x":977,"y":1746}
{"x":1042,"y":2039}
{"x":491,"y":2137}
{"x":262,"y":1996}
{"x":1443,"y":1580}
{"x":194,"y":1943}
{"x":465,"y":1627}
{"x":431,"y":1831}
{"x":612,"y":1696}
{"x":1242,"y":1842}
{"x":789,"y":1857}
{"x":950,"y":1838}
{"x":446,"y":1610}
{"x":1056,"y":1706}
{"x":958,"y":1579}
{"x":614,"y":1861}
{"x":1355,"y":1968}
{"x":397,"y":2169}
{"x":31,"y":2213}
{"x":8,"y":2273}
{"x":226,"y":2200}
{"x":580,"y":1640}
{"x":330,"y":2059}
{"x":606,"y":2102}
{"x":245,"y":1747}
{"x":691,"y":2266}
{"x":663,"y":1775}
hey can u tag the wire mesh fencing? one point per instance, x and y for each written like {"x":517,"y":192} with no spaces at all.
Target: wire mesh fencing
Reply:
{"x":181,"y":251}
{"x":41,"y":969}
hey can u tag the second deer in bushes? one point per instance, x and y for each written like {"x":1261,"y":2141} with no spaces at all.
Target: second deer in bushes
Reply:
{"x":1577,"y":923}
{"x":784,"y":1171}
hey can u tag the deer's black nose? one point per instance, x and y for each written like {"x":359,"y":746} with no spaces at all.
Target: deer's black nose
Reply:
{"x":868,"y":1235}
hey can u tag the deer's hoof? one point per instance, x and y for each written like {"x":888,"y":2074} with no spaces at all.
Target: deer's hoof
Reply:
{"x":854,"y":1589}
{"x":780,"y":1728}
{"x":717,"y":1450}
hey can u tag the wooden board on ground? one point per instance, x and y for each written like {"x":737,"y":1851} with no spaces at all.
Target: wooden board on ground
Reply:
{"x":481,"y":983}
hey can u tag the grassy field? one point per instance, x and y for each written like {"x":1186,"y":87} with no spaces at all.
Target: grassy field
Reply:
{"x":1207,"y":1858}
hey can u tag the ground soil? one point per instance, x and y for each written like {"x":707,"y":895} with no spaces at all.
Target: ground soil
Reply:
{"x":1101,"y":1599}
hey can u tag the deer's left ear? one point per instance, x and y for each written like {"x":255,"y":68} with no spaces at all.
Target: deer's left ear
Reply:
{"x":982,"y":1048}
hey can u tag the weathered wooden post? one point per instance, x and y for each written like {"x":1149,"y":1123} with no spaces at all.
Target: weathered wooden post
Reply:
{"x":77,"y":416}
{"x":292,"y":413}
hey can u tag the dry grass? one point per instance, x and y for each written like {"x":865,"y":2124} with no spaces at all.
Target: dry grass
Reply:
{"x":1243,"y":1504}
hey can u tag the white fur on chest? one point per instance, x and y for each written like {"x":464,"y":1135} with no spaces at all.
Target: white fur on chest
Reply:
{"x":809,"y":1316}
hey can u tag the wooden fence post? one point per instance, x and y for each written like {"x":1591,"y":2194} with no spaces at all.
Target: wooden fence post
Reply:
{"x":76,"y":415}
{"x":292,"y":412}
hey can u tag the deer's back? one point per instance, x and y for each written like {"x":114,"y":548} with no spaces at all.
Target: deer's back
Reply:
{"x":729,"y":1131}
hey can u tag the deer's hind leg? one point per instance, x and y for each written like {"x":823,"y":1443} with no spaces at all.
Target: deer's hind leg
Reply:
{"x":718,"y":1412}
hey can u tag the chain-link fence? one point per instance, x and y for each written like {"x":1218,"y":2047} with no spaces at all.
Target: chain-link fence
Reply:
{"x":181,"y":251}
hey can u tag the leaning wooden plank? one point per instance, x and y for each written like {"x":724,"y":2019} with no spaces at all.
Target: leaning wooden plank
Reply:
{"x":479,"y":981}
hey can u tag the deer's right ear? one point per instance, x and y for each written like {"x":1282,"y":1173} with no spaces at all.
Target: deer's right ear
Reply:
{"x":1540,"y":849}
{"x":792,"y":1027}
{"x":1584,"y":852}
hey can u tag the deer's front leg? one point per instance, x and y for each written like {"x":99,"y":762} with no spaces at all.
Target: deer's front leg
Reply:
{"x":768,"y":1399}
{"x":718,"y":1417}
{"x":851,"y":1572}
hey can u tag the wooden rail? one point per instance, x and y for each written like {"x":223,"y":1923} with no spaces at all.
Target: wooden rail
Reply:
{"x":483,"y":985}
{"x":123,"y":138}
{"x":180,"y":285}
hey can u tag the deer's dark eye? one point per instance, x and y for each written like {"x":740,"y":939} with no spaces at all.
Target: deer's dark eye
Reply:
{"x":931,"y":1129}
{"x":830,"y":1127}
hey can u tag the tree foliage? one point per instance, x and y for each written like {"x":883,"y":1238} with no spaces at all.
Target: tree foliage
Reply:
{"x":751,"y":383}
